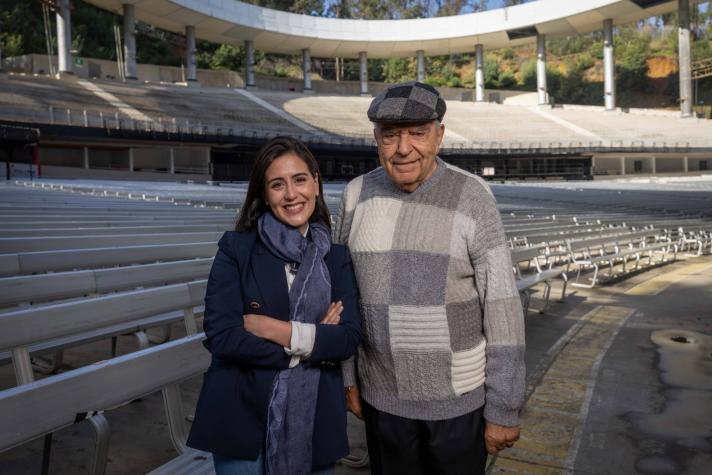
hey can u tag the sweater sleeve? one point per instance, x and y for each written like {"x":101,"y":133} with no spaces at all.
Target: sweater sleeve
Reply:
{"x":341,"y":236}
{"x":502,"y":315}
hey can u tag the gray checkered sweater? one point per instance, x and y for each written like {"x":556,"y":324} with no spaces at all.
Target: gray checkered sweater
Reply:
{"x":443,"y":328}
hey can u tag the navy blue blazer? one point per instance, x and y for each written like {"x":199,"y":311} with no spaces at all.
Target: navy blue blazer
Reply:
{"x":231,"y":414}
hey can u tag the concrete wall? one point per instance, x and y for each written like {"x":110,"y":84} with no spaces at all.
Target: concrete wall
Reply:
{"x":104,"y":69}
{"x":190,"y":160}
{"x":72,"y":157}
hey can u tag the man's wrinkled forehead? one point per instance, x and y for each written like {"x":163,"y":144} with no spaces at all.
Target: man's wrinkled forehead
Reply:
{"x":382,"y":126}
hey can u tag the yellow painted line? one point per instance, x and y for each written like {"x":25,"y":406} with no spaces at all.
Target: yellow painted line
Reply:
{"x":553,"y":416}
{"x":659,"y":283}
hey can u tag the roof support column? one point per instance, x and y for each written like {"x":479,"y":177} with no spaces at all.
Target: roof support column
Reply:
{"x":191,"y":73}
{"x":420,"y":65}
{"x":609,"y":67}
{"x":249,"y":63}
{"x":363,"y":72}
{"x":541,"y":69}
{"x":683,"y":41}
{"x":129,"y":41}
{"x":306,"y":68}
{"x":64,"y":37}
{"x":479,"y":73}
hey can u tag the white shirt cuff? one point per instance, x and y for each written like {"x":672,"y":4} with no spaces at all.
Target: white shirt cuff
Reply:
{"x":302,"y":342}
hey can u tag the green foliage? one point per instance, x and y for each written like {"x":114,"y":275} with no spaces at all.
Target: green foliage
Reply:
{"x":506,"y":79}
{"x":21,"y":28}
{"x":491,"y":71}
{"x":508,"y":53}
{"x":92,"y":32}
{"x":583,"y":61}
{"x":228,"y":57}
{"x":632,"y":50}
{"x":398,"y":70}
{"x":527,"y":75}
{"x":12,"y":45}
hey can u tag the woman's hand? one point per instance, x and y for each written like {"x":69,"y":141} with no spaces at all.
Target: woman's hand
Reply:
{"x":272,"y":329}
{"x":333,"y":314}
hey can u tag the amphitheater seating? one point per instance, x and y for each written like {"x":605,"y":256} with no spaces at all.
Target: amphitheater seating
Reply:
{"x":525,"y":282}
{"x":618,"y":249}
{"x":65,"y":285}
{"x":44,"y":406}
{"x":43,"y":261}
{"x":72,"y":292}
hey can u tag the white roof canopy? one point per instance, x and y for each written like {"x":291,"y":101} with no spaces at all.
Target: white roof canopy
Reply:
{"x":233,"y":22}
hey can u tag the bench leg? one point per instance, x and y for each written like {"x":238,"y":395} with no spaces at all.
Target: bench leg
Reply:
{"x":547,"y":292}
{"x":52,"y":365}
{"x":595,"y":276}
{"x":563,"y":289}
{"x":173,"y":405}
{"x":101,"y":450}
{"x":166,"y":335}
{"x":142,"y":338}
{"x":114,"y":344}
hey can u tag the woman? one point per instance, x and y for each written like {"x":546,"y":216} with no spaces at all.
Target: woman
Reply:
{"x":280,"y":314}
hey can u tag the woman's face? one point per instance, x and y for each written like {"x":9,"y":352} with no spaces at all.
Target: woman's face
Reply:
{"x":291,"y":190}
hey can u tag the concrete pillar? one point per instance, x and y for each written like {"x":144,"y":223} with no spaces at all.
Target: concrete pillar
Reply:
{"x":479,"y":73}
{"x":86,"y":158}
{"x":653,"y":166}
{"x":131,"y":159}
{"x":609,"y":67}
{"x":420,"y":65}
{"x":172,"y":166}
{"x":129,"y":42}
{"x":64,"y":37}
{"x":249,"y":63}
{"x":541,"y":69}
{"x":685,"y":164}
{"x":683,"y":40}
{"x":363,"y":72}
{"x":622,"y":165}
{"x":306,"y":69}
{"x":190,"y":67}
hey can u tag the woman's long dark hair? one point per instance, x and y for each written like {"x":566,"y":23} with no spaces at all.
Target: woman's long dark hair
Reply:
{"x":255,"y":204}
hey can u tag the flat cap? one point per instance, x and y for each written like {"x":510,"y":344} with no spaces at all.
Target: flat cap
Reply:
{"x":407,"y":102}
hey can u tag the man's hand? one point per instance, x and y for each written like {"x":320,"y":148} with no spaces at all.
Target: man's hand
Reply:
{"x":499,"y":437}
{"x":353,"y":401}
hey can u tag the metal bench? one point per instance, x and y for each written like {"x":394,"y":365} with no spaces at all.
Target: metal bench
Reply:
{"x":42,"y":407}
{"x":64,"y":285}
{"x":37,"y":244}
{"x":72,"y":323}
{"x":44,"y":261}
{"x":612,"y":250}
{"x":526,"y":281}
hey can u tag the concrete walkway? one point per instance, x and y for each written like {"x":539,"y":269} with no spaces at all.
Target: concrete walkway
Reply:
{"x":619,"y":380}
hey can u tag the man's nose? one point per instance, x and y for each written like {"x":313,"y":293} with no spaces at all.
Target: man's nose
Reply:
{"x":404,"y":145}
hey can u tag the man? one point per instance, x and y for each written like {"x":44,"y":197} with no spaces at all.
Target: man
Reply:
{"x":439,"y":376}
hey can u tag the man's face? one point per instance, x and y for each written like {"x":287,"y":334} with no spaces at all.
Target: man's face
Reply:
{"x":407,"y":151}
